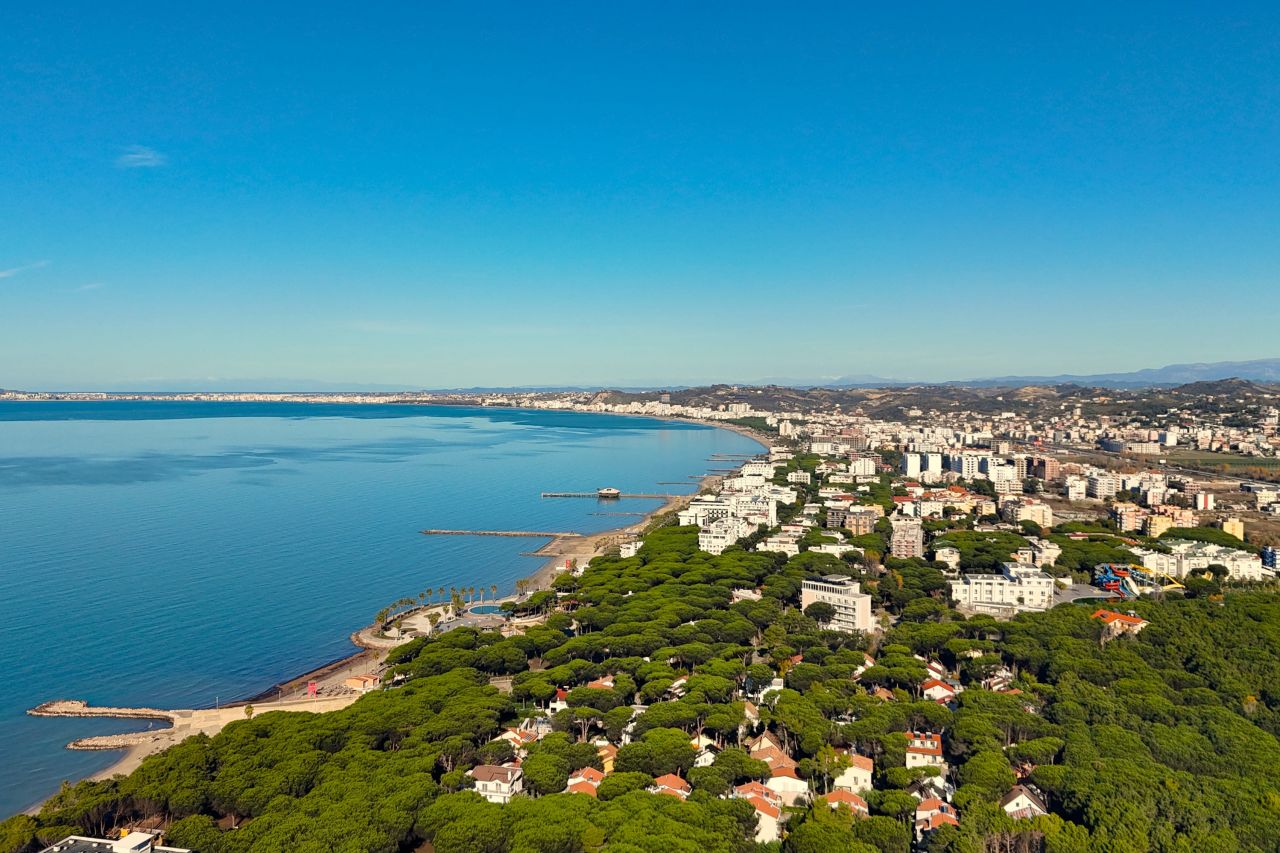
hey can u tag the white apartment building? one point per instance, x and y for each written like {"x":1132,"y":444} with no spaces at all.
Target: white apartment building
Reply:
{"x":1193,"y":557}
{"x":911,"y":465}
{"x":968,"y":465}
{"x":1103,"y":484}
{"x":907,"y":539}
{"x":723,"y":532}
{"x":1018,"y":588}
{"x":852,"y":605}
{"x":862,"y":466}
{"x":1076,"y":488}
{"x":1027,"y":509}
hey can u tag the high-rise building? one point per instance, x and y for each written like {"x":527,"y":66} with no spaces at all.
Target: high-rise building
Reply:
{"x":852,"y":605}
{"x":908,"y":538}
{"x":911,"y":466}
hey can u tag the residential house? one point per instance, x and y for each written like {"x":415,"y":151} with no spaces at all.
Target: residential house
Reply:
{"x":786,"y":782}
{"x":924,"y":749}
{"x":932,"y":787}
{"x":608,"y":754}
{"x":857,"y":776}
{"x":520,"y":739}
{"x":1023,"y":802}
{"x":1115,"y":624}
{"x":932,"y":814}
{"x":497,"y":783}
{"x":937,"y":691}
{"x":768,"y":806}
{"x":671,"y":785}
{"x":584,"y":781}
{"x":841,"y":797}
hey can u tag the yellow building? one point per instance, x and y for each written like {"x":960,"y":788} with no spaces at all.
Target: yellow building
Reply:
{"x":1157,"y":524}
{"x":1234,"y":526}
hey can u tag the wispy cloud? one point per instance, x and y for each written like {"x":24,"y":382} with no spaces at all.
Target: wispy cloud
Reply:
{"x":93,"y":285}
{"x":10,"y":273}
{"x":141,"y":157}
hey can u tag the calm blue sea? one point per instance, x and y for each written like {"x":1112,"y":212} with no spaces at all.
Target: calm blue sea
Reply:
{"x":178,"y":554}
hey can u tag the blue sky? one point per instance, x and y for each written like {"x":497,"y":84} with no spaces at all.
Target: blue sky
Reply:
{"x":520,"y":193}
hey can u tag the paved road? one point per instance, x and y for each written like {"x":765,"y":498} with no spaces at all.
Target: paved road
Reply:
{"x":1077,"y":591}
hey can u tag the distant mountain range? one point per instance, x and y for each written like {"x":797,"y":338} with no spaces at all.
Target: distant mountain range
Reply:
{"x":1258,"y":370}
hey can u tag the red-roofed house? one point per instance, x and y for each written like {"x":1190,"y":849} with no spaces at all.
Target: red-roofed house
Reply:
{"x":786,"y":782}
{"x":933,"y":813}
{"x":584,"y":781}
{"x":774,"y":757}
{"x":1116,"y":624}
{"x":937,"y":691}
{"x":924,"y":749}
{"x":768,"y":819}
{"x":768,"y":806}
{"x":767,"y":738}
{"x":518,"y":738}
{"x":670,"y":784}
{"x":497,"y":783}
{"x":857,"y":776}
{"x":755,"y":789}
{"x":839,"y":798}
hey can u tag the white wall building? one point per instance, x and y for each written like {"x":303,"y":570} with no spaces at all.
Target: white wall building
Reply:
{"x":722,"y":533}
{"x":852,"y":605}
{"x":1018,"y":588}
{"x":1195,"y":557}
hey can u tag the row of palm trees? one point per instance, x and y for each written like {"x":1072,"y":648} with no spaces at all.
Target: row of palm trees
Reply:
{"x":457,"y":598}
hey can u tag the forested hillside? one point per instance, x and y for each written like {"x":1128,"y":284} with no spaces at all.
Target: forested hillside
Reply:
{"x":1163,"y":741}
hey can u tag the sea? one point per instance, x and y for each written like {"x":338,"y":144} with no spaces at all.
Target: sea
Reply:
{"x":183,"y":554}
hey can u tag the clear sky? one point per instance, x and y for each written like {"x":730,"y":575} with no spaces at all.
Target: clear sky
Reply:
{"x":623,"y":193}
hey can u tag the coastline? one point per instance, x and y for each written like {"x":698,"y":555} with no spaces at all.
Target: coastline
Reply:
{"x":367,"y":657}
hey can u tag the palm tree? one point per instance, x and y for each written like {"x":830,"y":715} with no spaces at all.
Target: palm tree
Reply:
{"x":493,"y":591}
{"x":440,"y":593}
{"x":471,"y":591}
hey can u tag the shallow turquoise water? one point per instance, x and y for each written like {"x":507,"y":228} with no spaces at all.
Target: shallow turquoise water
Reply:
{"x":179,"y":554}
